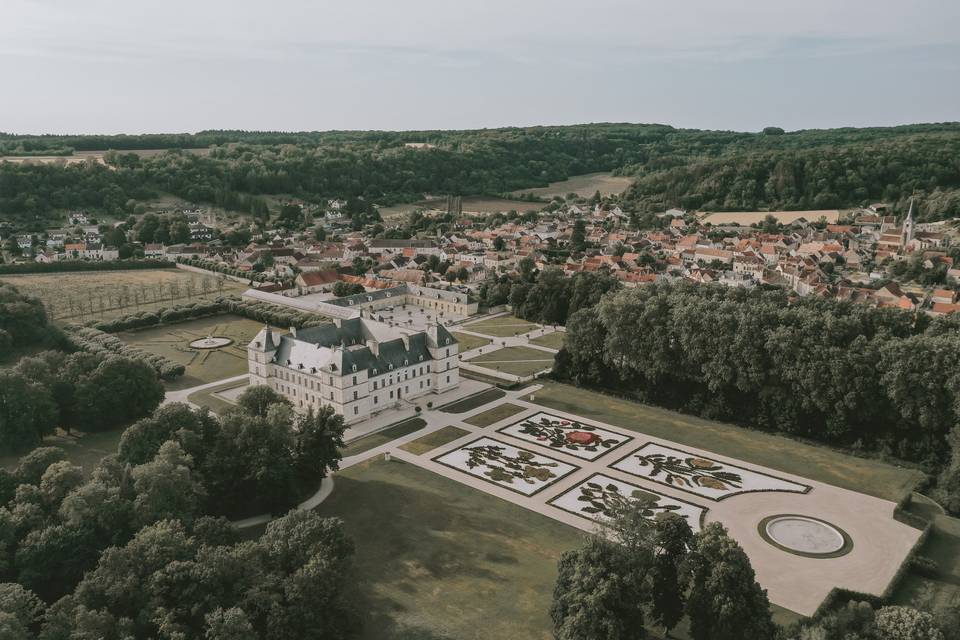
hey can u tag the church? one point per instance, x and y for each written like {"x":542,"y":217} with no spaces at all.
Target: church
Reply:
{"x":359,"y":366}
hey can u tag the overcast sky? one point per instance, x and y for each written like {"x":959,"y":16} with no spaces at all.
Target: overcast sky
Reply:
{"x":111,"y":66}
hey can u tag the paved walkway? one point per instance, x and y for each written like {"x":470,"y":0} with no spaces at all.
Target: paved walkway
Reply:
{"x":794,"y":582}
{"x":181,"y":395}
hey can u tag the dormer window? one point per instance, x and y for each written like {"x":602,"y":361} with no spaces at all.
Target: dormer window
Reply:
{"x":421,"y":357}
{"x":406,"y":362}
{"x":374,"y":372}
{"x":391,"y":367}
{"x":353,"y":368}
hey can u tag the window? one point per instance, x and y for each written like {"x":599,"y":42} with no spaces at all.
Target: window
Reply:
{"x":376,"y":399}
{"x":448,"y":378}
{"x":448,"y":352}
{"x":354,"y":395}
{"x":356,"y":410}
{"x":331,"y":396}
{"x":391,"y":395}
{"x":428,"y":368}
{"x":354,"y":377}
{"x":374,"y":385}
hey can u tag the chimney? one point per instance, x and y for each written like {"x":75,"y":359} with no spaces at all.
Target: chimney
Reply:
{"x":374,"y":347}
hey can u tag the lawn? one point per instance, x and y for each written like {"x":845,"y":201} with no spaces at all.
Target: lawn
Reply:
{"x":433,"y":440}
{"x":551,"y":340}
{"x":438,"y":559}
{"x":468,"y":342}
{"x":501,"y":327}
{"x":374,"y":440}
{"x":943,"y":546}
{"x":488,"y":417}
{"x":216,"y":404}
{"x":519,"y":361}
{"x":472,"y":402}
{"x":84,"y":450}
{"x":869,"y":476}
{"x":92,"y":295}
{"x":203,"y":366}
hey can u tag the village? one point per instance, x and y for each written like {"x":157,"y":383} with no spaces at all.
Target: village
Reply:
{"x":867,"y":256}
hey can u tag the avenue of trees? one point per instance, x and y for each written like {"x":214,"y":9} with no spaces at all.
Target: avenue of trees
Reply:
{"x":137,"y":549}
{"x":840,"y":373}
{"x":708,"y":169}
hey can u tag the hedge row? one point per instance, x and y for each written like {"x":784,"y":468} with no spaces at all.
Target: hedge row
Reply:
{"x":82,"y":265}
{"x":265,"y":312}
{"x":96,"y":341}
{"x":168,"y":315}
{"x":222,"y":268}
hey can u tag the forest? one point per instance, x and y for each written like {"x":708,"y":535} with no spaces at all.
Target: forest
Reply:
{"x":673,"y":167}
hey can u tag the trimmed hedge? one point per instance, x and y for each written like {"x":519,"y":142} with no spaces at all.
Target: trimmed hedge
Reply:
{"x":265,"y":312}
{"x":83,"y":265}
{"x":96,"y":341}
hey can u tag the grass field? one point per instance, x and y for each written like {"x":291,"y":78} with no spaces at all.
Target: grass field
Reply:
{"x":501,"y":326}
{"x":440,"y":560}
{"x":468,"y":342}
{"x":551,"y":340}
{"x":208,"y":398}
{"x":85,"y":450}
{"x":433,"y":440}
{"x":583,"y":185}
{"x":869,"y":476}
{"x":203,"y":366}
{"x":83,"y":296}
{"x":392,"y":432}
{"x":519,"y":361}
{"x":943,"y":546}
{"x":472,"y":402}
{"x":488,"y":417}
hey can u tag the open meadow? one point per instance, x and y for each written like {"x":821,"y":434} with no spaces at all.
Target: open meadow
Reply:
{"x":95,"y":295}
{"x":583,"y":185}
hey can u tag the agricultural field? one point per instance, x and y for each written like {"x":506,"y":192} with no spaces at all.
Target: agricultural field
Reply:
{"x":471,"y":204}
{"x":519,"y":361}
{"x":501,"y":326}
{"x":755,"y":217}
{"x":203,"y":366}
{"x":95,"y":295}
{"x":583,"y":185}
{"x":94,"y":156}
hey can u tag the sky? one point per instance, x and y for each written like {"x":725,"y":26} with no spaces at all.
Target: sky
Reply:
{"x":135,"y":66}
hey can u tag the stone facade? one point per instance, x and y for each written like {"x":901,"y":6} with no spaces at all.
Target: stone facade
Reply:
{"x":358,"y":366}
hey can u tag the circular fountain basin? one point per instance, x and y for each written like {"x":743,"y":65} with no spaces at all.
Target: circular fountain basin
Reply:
{"x":805,"y":536}
{"x":211,"y":342}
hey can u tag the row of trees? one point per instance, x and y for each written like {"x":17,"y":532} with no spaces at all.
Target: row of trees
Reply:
{"x":78,"y":265}
{"x":133,"y":550}
{"x":84,"y":391}
{"x":836,"y":372}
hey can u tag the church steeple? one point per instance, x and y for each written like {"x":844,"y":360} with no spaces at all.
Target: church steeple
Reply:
{"x":907,"y":234}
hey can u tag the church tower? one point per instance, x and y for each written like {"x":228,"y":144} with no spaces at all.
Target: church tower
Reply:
{"x":907,"y":234}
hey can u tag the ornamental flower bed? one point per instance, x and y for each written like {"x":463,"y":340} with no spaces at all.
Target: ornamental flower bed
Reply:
{"x":601,"y":498}
{"x":516,"y":469}
{"x":698,"y":474}
{"x":570,"y":436}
